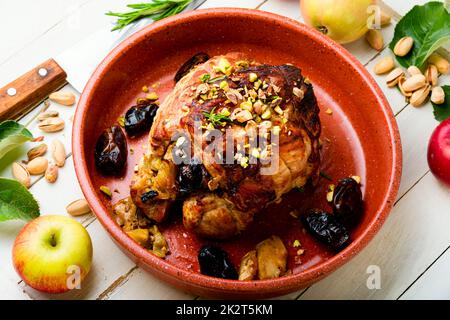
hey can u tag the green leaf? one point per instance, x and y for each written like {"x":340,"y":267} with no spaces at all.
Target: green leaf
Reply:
{"x":16,"y":202}
{"x":12,"y":134}
{"x":442,"y":111}
{"x":429,"y":26}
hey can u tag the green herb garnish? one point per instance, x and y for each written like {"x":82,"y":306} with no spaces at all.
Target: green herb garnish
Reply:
{"x":216,"y":119}
{"x":155,"y":10}
{"x":220,"y":78}
{"x":204,"y":78}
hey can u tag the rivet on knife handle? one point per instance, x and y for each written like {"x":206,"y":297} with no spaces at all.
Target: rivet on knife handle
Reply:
{"x":21,"y":95}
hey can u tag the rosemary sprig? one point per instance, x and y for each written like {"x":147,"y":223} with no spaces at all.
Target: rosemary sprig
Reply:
{"x":156,"y":10}
{"x":216,"y":119}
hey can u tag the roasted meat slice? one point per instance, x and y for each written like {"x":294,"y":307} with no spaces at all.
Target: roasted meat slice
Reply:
{"x":232,"y":137}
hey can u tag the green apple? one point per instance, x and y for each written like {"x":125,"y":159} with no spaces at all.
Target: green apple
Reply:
{"x":53,"y":254}
{"x":342,"y":20}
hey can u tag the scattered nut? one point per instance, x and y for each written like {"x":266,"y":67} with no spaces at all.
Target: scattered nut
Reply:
{"x":385,"y":19}
{"x":52,"y":125}
{"x":401,"y":81}
{"x":78,"y":208}
{"x":432,"y":74}
{"x":384,"y":65}
{"x":21,"y":174}
{"x":58,"y":153}
{"x":106,"y":191}
{"x":64,"y":98}
{"x":440,"y":62}
{"x":403,"y":46}
{"x":37,"y":166}
{"x":51,"y":174}
{"x":375,"y":39}
{"x":418,"y":97}
{"x":141,"y":236}
{"x":438,"y":95}
{"x":38,"y":151}
{"x":413,"y":70}
{"x":393,"y":77}
{"x":47,"y":114}
{"x":414,"y":83}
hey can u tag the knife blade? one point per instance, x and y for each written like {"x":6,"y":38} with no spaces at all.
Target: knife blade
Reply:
{"x":73,"y":66}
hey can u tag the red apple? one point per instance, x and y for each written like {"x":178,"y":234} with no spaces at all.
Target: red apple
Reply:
{"x":342,"y":20}
{"x":439,"y":152}
{"x":53,"y":254}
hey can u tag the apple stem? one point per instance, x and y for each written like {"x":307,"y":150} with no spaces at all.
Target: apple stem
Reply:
{"x":322,"y":29}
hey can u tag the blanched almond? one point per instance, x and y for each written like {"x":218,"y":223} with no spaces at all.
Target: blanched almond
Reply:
{"x":47,"y":114}
{"x":375,"y":39}
{"x":58,"y":153}
{"x":418,"y":97}
{"x":440,"y":62}
{"x":78,"y":208}
{"x":414,"y":83}
{"x":51,"y":174}
{"x":38,"y":151}
{"x":64,"y":98}
{"x":21,"y":174}
{"x":413,"y":70}
{"x":432,"y":74}
{"x":52,"y":124}
{"x":384,"y":65}
{"x":403,"y":46}
{"x":37,"y":165}
{"x":438,"y":95}
{"x":393,"y":77}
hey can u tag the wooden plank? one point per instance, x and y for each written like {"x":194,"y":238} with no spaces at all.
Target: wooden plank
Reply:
{"x":433,"y":284}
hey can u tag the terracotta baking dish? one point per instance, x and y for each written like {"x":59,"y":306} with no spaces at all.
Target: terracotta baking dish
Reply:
{"x":360,"y":138}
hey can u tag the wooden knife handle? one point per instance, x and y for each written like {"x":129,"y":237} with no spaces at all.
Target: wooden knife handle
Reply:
{"x":21,"y":95}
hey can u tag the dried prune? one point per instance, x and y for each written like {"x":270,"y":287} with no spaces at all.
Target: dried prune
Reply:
{"x":188,"y":65}
{"x":347,"y":202}
{"x":325,"y":228}
{"x":190,"y":176}
{"x":139,"y":118}
{"x":111,"y":151}
{"x":214,"y":262}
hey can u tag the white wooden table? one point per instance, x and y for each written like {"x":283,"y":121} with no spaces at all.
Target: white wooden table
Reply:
{"x":411,"y":250}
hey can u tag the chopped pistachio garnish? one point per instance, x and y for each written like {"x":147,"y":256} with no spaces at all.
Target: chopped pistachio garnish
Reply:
{"x":224,"y":66}
{"x":297,"y":92}
{"x":106,"y":191}
{"x":266,"y":114}
{"x":296,"y":244}
{"x":247,"y":105}
{"x":224,"y":85}
{"x":257,"y":84}
{"x":307,"y":81}
{"x":278,"y":110}
{"x":205,"y":77}
{"x":145,"y":89}
{"x":216,"y":119}
{"x":152,"y":96}
{"x":252,"y":77}
{"x":225,"y":112}
{"x":284,"y":120}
